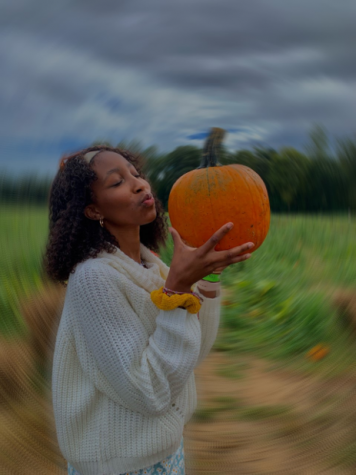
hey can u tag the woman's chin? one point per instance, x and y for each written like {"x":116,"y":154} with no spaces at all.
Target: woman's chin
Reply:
{"x":150,"y":217}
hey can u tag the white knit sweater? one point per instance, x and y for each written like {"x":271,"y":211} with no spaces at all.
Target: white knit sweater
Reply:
{"x":122,"y":382}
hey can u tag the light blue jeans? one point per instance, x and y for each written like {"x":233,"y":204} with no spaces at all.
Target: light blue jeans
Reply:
{"x":172,"y":465}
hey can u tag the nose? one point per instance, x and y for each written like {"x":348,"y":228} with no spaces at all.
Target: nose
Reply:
{"x":138,"y":186}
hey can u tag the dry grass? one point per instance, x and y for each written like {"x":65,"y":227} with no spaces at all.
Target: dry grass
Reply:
{"x":242,"y":428}
{"x":272,"y":420}
{"x":42,"y":313}
{"x":28,"y":442}
{"x":16,"y":369}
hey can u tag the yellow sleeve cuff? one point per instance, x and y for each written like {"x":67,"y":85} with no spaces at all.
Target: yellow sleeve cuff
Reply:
{"x":164,"y":302}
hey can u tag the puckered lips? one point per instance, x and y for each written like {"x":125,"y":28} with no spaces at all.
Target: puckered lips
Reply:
{"x":147,"y":200}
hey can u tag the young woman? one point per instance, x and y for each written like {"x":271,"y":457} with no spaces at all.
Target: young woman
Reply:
{"x":132,"y":330}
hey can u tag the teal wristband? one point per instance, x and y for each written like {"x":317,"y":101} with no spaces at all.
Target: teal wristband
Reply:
{"x":212,"y":278}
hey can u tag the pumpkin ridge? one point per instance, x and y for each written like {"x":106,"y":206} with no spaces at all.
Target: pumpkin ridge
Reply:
{"x":242,"y":178}
{"x":261,"y":187}
{"x":255,"y":217}
{"x":210,"y":202}
{"x":264,"y":207}
{"x":195,"y":228}
{"x":230,"y":172}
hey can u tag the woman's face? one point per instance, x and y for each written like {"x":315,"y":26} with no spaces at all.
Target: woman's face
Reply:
{"x":122,"y":197}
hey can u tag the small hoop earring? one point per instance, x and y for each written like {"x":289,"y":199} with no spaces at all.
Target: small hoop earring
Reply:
{"x":101,"y":221}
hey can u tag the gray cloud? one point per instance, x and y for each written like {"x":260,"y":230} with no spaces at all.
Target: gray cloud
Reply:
{"x":161,"y":71}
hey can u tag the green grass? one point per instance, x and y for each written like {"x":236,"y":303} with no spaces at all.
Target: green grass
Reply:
{"x":280,"y":302}
{"x":221,"y":404}
{"x":280,"y":298}
{"x":304,"y":249}
{"x":231,"y":371}
{"x":23,"y":233}
{"x":238,"y":411}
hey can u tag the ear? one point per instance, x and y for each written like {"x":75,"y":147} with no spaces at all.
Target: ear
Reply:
{"x":91,"y":212}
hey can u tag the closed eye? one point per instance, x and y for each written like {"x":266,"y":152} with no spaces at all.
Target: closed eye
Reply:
{"x":119,"y":183}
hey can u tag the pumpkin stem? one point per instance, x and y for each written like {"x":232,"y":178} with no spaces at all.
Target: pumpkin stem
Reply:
{"x":212,"y":148}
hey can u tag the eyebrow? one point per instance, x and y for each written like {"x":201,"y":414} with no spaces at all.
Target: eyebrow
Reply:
{"x":114,"y":170}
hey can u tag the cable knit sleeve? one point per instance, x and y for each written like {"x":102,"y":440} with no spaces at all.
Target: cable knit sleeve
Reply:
{"x":143,"y":372}
{"x":209,"y":317}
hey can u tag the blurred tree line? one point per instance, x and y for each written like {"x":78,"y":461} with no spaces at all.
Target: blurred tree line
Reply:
{"x":318,"y":180}
{"x":28,"y":189}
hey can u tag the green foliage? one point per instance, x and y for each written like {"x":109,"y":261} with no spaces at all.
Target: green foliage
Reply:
{"x":318,"y":147}
{"x":24,"y":189}
{"x":316,"y":181}
{"x":329,"y":192}
{"x":23,"y":232}
{"x":288,"y":175}
{"x":263,"y":412}
{"x":221,"y":404}
{"x":203,"y":414}
{"x":165,"y":171}
{"x":226,"y":403}
{"x":277,"y":305}
{"x":295,"y":182}
{"x":346,"y":151}
{"x":275,"y":317}
{"x":279,"y":302}
{"x":136,"y":148}
{"x":231,"y":371}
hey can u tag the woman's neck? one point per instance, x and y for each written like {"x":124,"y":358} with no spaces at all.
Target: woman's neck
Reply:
{"x":129,"y":242}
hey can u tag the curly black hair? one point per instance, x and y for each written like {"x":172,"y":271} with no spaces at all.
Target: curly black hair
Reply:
{"x":72,"y":236}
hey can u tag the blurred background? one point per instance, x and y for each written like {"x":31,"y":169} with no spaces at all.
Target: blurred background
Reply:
{"x":276,"y":394}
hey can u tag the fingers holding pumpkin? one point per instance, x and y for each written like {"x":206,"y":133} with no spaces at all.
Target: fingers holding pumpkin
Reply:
{"x":210,"y":244}
{"x":234,"y":255}
{"x":175,"y":235}
{"x":177,"y":239}
{"x":243,"y":248}
{"x":216,"y":238}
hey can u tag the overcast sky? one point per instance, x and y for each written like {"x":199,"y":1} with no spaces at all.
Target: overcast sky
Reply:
{"x":165,"y":72}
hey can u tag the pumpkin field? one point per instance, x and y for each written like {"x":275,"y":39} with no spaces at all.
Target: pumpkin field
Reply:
{"x":288,"y":306}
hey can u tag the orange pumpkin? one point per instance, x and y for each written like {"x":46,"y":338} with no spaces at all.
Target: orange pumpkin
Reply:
{"x":203,"y":200}
{"x":318,"y":352}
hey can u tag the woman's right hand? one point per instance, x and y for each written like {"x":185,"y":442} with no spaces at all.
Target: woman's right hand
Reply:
{"x":191,"y":264}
